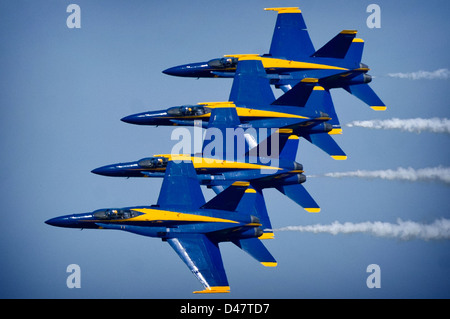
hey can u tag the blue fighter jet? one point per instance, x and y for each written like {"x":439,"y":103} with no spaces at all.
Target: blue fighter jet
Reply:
{"x":192,"y":227}
{"x":269,"y":164}
{"x":292,"y":57}
{"x":306,"y":110}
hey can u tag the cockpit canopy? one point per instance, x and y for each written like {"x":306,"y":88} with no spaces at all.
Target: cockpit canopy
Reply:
{"x":223,"y":63}
{"x":153,"y":162}
{"x":188,"y":110}
{"x":112,"y":214}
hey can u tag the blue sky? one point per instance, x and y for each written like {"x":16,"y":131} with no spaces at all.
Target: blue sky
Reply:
{"x":63,"y":92}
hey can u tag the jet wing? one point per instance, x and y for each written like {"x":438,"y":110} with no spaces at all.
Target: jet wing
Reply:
{"x":203,"y":258}
{"x":180,"y":187}
{"x":217,"y":142}
{"x":250,"y":85}
{"x":290,"y":38}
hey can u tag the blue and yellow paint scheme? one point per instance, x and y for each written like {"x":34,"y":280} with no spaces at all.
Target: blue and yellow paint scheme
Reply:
{"x":307,"y":109}
{"x":281,"y":172}
{"x":292,"y":57}
{"x":191,"y":226}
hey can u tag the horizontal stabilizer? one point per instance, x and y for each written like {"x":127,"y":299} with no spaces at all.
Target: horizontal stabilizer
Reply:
{"x":255,"y":248}
{"x":325,"y":142}
{"x":229,"y":199}
{"x":338,"y":46}
{"x":300,"y":195}
{"x":365,"y":93}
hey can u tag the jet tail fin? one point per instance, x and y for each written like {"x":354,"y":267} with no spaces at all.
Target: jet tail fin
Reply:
{"x":355,"y":51}
{"x":365,"y":93}
{"x":255,"y":248}
{"x":280,"y":144}
{"x":299,"y":95}
{"x":338,"y":46}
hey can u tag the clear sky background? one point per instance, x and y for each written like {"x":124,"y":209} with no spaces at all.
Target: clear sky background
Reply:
{"x":63,"y":92}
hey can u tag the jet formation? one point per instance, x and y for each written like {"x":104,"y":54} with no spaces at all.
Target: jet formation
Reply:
{"x":259,"y":153}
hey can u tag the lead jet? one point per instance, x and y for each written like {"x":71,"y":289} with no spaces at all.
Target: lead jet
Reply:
{"x":192,"y":227}
{"x":292,"y":57}
{"x":306,"y":110}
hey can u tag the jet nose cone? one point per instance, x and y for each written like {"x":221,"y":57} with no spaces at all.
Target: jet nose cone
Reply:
{"x":199,"y":69}
{"x":57,"y":221}
{"x":131,"y":119}
{"x":175,"y":71}
{"x":108,"y":170}
{"x":130,"y":169}
{"x":147,"y":118}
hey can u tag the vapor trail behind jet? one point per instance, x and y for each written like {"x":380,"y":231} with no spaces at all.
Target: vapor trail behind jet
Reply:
{"x":440,"y":74}
{"x":415,"y":125}
{"x":405,"y":230}
{"x":438,"y":174}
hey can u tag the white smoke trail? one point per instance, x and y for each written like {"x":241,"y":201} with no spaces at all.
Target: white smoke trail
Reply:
{"x":440,"y":74}
{"x":405,"y":230}
{"x":415,"y":125}
{"x":438,"y":174}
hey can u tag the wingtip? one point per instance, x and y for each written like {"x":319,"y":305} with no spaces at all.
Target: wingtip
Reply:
{"x":379,"y":108}
{"x":269,"y":264}
{"x":213,"y":290}
{"x":285,"y":9}
{"x":313,"y":210}
{"x":339,"y":157}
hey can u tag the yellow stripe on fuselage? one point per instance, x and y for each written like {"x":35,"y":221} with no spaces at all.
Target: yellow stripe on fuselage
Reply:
{"x":241,"y":112}
{"x":274,"y":63}
{"x":249,"y":112}
{"x":205,"y":162}
{"x":149,"y":214}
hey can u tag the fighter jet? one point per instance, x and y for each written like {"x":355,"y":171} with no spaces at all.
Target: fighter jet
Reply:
{"x":292,"y":57}
{"x":192,"y":227}
{"x":307,"y":109}
{"x":270,"y":164}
